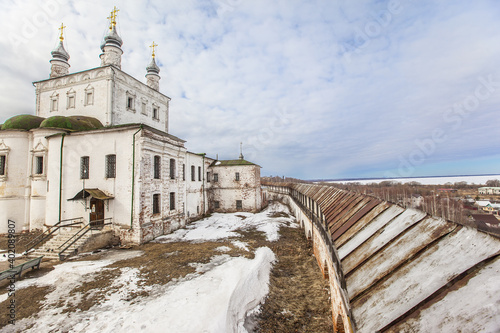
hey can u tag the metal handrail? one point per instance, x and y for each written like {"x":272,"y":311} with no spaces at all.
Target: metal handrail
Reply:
{"x":47,"y":233}
{"x":86,"y":228}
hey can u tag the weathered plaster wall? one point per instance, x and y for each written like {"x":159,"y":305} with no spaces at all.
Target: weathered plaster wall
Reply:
{"x":15,"y":185}
{"x":169,"y":217}
{"x":227,"y":189}
{"x":197,"y":190}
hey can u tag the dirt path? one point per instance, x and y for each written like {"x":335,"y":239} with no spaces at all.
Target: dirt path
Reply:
{"x":298,"y":300}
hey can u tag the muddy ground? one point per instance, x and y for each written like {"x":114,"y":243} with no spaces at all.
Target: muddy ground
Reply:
{"x":298,"y":300}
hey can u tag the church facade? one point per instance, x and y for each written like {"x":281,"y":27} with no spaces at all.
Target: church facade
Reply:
{"x":99,"y":148}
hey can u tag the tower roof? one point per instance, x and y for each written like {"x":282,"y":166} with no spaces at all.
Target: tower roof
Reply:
{"x":112,"y":38}
{"x":60,"y":53}
{"x":153,"y":68}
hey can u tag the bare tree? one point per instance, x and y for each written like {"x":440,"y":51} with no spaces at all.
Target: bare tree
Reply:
{"x":493,"y":183}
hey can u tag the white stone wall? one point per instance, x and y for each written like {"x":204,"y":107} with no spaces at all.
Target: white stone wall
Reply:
{"x":39,"y":184}
{"x":227,"y":189}
{"x":196,"y":191}
{"x":125,"y":87}
{"x":169,"y":218}
{"x":97,"y":80}
{"x":15,"y":185}
{"x":111,"y":89}
{"x":96,"y":145}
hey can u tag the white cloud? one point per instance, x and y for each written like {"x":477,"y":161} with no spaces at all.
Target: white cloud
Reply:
{"x":313,"y":88}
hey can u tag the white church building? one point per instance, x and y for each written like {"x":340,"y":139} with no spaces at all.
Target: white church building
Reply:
{"x":99,"y":149}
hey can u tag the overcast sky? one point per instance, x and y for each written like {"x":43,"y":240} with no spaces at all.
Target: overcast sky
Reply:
{"x":314,"y":89}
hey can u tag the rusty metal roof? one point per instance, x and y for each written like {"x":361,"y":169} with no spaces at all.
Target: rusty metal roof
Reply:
{"x":91,"y":192}
{"x":486,"y":218}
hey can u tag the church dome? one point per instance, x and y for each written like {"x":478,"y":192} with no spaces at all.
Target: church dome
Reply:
{"x":112,"y":38}
{"x":153,"y":68}
{"x":22,"y":122}
{"x":60,"y":53}
{"x":72,"y":123}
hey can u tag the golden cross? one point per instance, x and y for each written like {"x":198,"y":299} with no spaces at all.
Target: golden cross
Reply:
{"x":61,"y":38}
{"x":115,"y":10}
{"x":153,"y":47}
{"x":110,"y":18}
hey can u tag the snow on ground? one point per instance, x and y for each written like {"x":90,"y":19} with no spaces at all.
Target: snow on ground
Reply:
{"x":217,"y":301}
{"x":217,"y":298}
{"x":66,"y":276}
{"x":220,"y":226}
{"x":241,"y":245}
{"x":4,"y":256}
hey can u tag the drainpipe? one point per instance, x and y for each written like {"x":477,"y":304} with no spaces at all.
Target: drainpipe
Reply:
{"x":203,"y":182}
{"x":133,"y":178}
{"x":60,"y":174}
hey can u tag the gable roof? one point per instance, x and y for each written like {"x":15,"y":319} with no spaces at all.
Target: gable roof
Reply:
{"x":232,"y":163}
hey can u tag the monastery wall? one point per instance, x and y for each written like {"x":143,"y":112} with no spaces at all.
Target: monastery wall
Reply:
{"x":400,"y":269}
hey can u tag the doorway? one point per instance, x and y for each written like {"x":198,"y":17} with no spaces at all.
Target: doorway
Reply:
{"x":96,"y":213}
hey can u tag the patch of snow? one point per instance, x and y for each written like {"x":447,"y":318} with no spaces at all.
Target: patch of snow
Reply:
{"x":68,"y":274}
{"x":214,"y":262}
{"x":241,"y":245}
{"x":5,"y":256}
{"x":223,"y":249}
{"x":271,"y":229}
{"x":217,"y":301}
{"x":221,"y":226}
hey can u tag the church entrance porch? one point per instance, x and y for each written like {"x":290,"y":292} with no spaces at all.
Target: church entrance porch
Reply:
{"x":96,"y":217}
{"x":94,"y":201}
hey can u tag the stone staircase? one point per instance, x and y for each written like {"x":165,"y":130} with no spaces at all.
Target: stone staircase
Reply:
{"x":50,"y":250}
